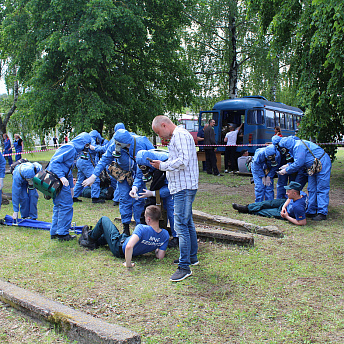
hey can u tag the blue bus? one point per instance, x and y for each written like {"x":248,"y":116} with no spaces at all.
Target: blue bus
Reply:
{"x":259,"y":115}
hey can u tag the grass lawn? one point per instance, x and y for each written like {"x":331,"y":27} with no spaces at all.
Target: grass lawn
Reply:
{"x":287,"y":290}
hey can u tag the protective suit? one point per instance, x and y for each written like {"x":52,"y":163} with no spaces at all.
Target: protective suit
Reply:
{"x":126,"y":160}
{"x":319,"y":183}
{"x":166,"y":197}
{"x":2,"y":175}
{"x":263,"y":170}
{"x":8,"y":150}
{"x":18,"y":148}
{"x":24,"y":195}
{"x":62,"y":165}
{"x":86,"y":165}
{"x":283,"y":180}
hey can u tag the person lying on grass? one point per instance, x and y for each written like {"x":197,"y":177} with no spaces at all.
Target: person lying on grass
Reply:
{"x":293,"y":209}
{"x":145,"y":238}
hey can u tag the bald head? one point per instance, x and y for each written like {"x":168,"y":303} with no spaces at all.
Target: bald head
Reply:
{"x":163,"y":127}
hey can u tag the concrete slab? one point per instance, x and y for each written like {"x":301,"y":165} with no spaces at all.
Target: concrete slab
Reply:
{"x":77,"y":325}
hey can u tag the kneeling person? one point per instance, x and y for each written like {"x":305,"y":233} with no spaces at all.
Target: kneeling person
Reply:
{"x":145,"y":238}
{"x":293,"y":209}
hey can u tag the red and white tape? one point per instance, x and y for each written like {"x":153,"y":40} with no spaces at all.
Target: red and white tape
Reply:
{"x":27,"y":152}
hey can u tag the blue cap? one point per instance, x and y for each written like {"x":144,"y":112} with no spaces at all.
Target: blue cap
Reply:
{"x":294,"y":186}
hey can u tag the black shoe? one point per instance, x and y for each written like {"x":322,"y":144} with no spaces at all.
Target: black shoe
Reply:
{"x":54,"y":236}
{"x":126,"y":229}
{"x":180,"y":274}
{"x":66,"y":237}
{"x":174,"y":242}
{"x":76,"y":199}
{"x":311,"y":215}
{"x":115,"y":204}
{"x":240,"y":208}
{"x":98,"y":200}
{"x":319,"y":217}
{"x":85,"y":240}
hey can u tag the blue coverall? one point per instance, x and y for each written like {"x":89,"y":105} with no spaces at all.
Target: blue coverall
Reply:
{"x":8,"y":150}
{"x":2,"y":173}
{"x":127,"y":205}
{"x":167,"y":200}
{"x":259,"y":164}
{"x":18,"y":149}
{"x":283,"y":180}
{"x":24,"y":195}
{"x":319,"y":183}
{"x":86,"y":168}
{"x":62,"y":164}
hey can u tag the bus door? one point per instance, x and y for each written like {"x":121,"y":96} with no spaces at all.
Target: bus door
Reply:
{"x":254,"y":128}
{"x":205,"y":116}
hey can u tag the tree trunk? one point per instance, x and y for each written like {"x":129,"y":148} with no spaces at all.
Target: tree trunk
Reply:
{"x":233,"y":71}
{"x":4,"y":121}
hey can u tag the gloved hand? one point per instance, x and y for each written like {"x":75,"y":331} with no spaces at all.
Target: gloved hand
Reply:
{"x":133,"y":192}
{"x":1,"y":183}
{"x":15,"y":215}
{"x":89,"y":181}
{"x":282,"y":172}
{"x":284,"y":167}
{"x":263,"y":180}
{"x":72,"y":192}
{"x":147,"y":193}
{"x":92,"y":147}
{"x":267,"y":181}
{"x":64,"y":181}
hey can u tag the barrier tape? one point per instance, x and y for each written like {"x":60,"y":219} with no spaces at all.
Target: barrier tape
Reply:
{"x":27,"y":152}
{"x":261,"y":145}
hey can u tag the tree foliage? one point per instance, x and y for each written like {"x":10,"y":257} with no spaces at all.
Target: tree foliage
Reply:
{"x":310,"y":33}
{"x":96,"y":62}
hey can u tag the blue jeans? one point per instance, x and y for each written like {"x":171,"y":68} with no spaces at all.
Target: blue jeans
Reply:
{"x":185,"y":228}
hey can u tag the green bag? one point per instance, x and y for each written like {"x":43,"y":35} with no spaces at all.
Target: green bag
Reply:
{"x":48,"y":183}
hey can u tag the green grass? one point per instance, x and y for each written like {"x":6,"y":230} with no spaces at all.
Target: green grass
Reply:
{"x":287,"y":290}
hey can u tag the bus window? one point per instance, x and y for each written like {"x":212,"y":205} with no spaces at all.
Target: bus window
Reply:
{"x":270,"y":119}
{"x":289,"y":122}
{"x":206,"y":116}
{"x":255,"y":117}
{"x":282,"y":120}
{"x":277,"y":119}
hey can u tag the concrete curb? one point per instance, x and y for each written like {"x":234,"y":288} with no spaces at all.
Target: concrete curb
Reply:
{"x":77,"y":325}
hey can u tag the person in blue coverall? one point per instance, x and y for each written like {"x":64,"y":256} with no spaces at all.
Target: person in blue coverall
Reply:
{"x":2,"y":175}
{"x":85,"y":166}
{"x":24,"y":194}
{"x":264,"y":165}
{"x":293,"y":209}
{"x":283,"y":180}
{"x":145,"y":238}
{"x":302,"y":152}
{"x":18,"y":146}
{"x":62,"y":164}
{"x":7,"y":148}
{"x":159,"y":185}
{"x":125,"y":147}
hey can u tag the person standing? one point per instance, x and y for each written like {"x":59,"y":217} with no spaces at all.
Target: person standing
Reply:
{"x":182,"y":174}
{"x":18,"y":146}
{"x":55,"y":142}
{"x":200,"y":141}
{"x":2,"y":175}
{"x":230,"y":153}
{"x":7,"y":148}
{"x":209,"y":140}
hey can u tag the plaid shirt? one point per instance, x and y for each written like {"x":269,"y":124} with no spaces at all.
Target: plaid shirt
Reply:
{"x":182,"y":164}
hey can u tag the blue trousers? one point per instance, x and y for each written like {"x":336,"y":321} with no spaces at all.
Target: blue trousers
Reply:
{"x":129,"y":206}
{"x":85,"y":172}
{"x":263,"y":193}
{"x":62,"y":212}
{"x":28,"y":203}
{"x":185,"y":228}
